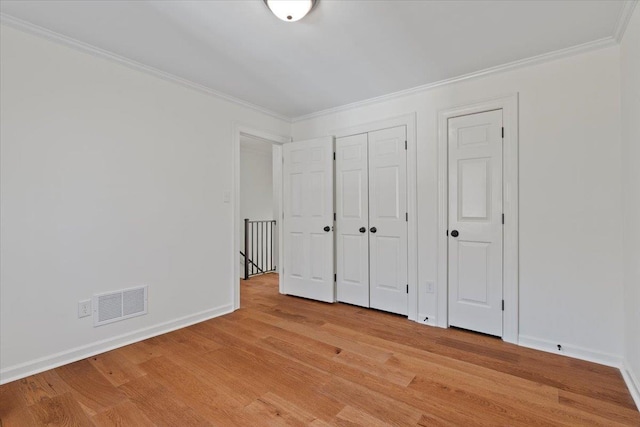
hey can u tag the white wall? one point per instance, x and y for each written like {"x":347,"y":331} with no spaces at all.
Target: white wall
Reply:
{"x":109,"y":178}
{"x":256,"y":180}
{"x":630,"y":80}
{"x":570,"y":197}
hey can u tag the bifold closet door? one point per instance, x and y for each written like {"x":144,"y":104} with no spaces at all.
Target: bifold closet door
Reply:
{"x":371,"y":200}
{"x":308,"y":219}
{"x":388,"y":255}
{"x":352,"y":220}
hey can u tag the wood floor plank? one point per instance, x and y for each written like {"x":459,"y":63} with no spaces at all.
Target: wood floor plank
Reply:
{"x":598,"y":407}
{"x":62,"y":410}
{"x":115,"y":367}
{"x":90,"y":388}
{"x":161,"y":405}
{"x":213,"y":404}
{"x":396,"y":375}
{"x":122,"y":415}
{"x":288,"y":361}
{"x":352,"y":417}
{"x":375,"y":404}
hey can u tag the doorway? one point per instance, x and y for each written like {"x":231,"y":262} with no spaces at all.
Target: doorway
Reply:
{"x":257,"y":162}
{"x":258,"y":208}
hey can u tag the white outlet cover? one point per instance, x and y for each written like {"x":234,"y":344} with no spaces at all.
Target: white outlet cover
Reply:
{"x":430,"y":287}
{"x":226,"y":196}
{"x":84,"y":308}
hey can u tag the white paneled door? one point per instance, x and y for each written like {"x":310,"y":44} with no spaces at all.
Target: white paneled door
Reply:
{"x":388,"y":258}
{"x":308,"y":219}
{"x":475,"y":222}
{"x":352,"y":222}
{"x":371,"y":196}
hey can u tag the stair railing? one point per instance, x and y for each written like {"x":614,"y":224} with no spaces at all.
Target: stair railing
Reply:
{"x":259,"y":247}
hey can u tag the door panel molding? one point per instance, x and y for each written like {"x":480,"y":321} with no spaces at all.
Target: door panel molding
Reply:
{"x":509,"y":105}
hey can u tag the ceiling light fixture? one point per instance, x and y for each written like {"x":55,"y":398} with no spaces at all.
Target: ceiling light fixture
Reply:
{"x":290,"y":10}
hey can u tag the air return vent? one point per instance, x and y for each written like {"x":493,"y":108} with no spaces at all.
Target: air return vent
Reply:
{"x":114,"y":306}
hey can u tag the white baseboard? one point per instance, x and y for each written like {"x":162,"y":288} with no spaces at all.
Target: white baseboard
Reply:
{"x":32,"y":367}
{"x":632,"y":383}
{"x":427,"y":319}
{"x":571,"y":351}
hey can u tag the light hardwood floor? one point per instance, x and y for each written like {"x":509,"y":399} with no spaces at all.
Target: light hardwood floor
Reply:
{"x":288,"y":361}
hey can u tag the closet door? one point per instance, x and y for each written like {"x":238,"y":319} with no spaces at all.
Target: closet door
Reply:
{"x":352,"y":220}
{"x":308,"y":219}
{"x":387,"y":220}
{"x":475,"y":222}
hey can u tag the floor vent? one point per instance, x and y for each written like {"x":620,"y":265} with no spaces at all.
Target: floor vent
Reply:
{"x":115,"y":306}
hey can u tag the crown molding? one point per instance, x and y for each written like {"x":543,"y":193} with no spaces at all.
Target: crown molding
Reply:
{"x":623,"y":19}
{"x":533,"y":60}
{"x":621,"y":24}
{"x":105,"y":54}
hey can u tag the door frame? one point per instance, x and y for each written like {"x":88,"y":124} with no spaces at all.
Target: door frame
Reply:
{"x":410,"y":121}
{"x":510,"y":266}
{"x":239,"y":129}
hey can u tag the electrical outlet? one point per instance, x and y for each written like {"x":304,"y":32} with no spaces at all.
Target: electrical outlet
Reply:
{"x":430,"y":287}
{"x":84,"y":308}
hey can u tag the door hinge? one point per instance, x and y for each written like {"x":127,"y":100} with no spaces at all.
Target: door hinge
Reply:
{"x":334,"y":216}
{"x":447,"y":233}
{"x":502,"y":218}
{"x":407,"y":288}
{"x":334,"y":155}
{"x":405,"y":144}
{"x":503,"y":133}
{"x":406,"y":216}
{"x":502,"y":305}
{"x":335,"y":277}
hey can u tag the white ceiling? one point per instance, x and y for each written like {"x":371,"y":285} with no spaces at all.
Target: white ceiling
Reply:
{"x":344,"y":51}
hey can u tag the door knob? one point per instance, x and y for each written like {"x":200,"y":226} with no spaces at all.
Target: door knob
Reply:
{"x":327,"y":228}
{"x":362,"y":229}
{"x":373,"y":229}
{"x":454,"y":233}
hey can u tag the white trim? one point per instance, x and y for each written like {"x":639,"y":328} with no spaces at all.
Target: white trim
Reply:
{"x":237,"y":130}
{"x":623,"y":19}
{"x":545,"y":57}
{"x":410,"y":121}
{"x":509,"y":106}
{"x":570,"y":351}
{"x":633,"y":384}
{"x":105,"y":54}
{"x":42,"y":364}
{"x":277,"y":171}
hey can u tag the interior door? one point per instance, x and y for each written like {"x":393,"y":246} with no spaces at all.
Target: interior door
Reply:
{"x":352,"y":220}
{"x":475,"y":222}
{"x":388,"y":220}
{"x":308,"y":219}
